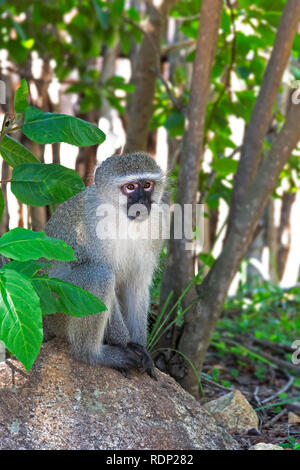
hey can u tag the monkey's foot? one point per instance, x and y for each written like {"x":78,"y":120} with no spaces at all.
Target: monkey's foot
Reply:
{"x":147,"y":362}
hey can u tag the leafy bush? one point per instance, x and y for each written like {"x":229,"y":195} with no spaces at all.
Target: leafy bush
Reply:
{"x":27,"y":293}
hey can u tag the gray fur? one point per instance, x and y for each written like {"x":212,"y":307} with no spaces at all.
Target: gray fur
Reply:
{"x":117,"y":271}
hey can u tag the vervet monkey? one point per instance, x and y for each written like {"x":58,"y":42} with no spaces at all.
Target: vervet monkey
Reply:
{"x":115,"y":268}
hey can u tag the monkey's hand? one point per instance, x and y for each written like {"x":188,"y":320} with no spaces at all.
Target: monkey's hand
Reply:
{"x":147,"y":362}
{"x":130,"y":359}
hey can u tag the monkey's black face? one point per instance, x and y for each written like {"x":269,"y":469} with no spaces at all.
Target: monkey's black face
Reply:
{"x":138,"y":195}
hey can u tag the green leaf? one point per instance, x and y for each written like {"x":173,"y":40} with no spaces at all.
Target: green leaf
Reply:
{"x":48,"y":128}
{"x":175,"y":119}
{"x":15,"y":153}
{"x":225,"y":166}
{"x":133,"y":14}
{"x":119,"y":84}
{"x":48,"y":301}
{"x":117,"y":7}
{"x":28,"y":43}
{"x":245,"y":3}
{"x":103,"y":16}
{"x":207,"y":259}
{"x":190,"y":28}
{"x":17,"y":53}
{"x":225,"y":22}
{"x":38,"y":185}
{"x":28,"y":268}
{"x":20,"y":317}
{"x":175,"y":124}
{"x":2,"y":204}
{"x":21,"y":103}
{"x":22,"y":245}
{"x":68,"y":298}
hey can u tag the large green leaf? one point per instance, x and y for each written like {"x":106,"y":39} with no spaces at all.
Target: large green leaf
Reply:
{"x":23,"y":245}
{"x":28,"y":268}
{"x":61,"y":296}
{"x":38,"y":185}
{"x":48,"y":128}
{"x":21,"y":103}
{"x":15,"y":153}
{"x":57,"y":295}
{"x":20,"y":317}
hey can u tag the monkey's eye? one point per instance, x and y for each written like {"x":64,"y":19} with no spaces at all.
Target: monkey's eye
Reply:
{"x":128,"y":188}
{"x":148,"y":185}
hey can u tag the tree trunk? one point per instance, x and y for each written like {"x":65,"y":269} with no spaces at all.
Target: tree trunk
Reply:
{"x":146,"y":67}
{"x":283,"y":246}
{"x":6,"y":170}
{"x":5,"y":175}
{"x":205,"y":301}
{"x":201,"y":320}
{"x":180,"y":263}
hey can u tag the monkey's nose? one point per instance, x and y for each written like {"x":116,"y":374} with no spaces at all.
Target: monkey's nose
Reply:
{"x":139,"y":211}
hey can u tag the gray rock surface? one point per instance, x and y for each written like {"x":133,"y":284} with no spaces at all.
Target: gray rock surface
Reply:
{"x":64,"y":404}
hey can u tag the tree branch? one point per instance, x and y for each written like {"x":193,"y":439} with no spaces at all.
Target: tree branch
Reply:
{"x":177,"y":45}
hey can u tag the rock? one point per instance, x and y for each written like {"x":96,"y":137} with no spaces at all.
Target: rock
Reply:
{"x":264,"y":446}
{"x":234,"y":412}
{"x":64,"y":404}
{"x":293,"y":418}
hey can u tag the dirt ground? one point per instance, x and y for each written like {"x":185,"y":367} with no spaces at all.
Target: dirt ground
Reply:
{"x":273,"y":422}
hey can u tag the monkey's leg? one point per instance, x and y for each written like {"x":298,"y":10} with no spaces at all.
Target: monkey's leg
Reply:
{"x":117,"y":334}
{"x":86,"y":334}
{"x":136,"y":303}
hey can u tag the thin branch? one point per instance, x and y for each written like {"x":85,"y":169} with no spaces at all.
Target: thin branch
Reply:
{"x":280,"y":363}
{"x":276,"y":418}
{"x":2,"y":133}
{"x":230,"y":68}
{"x":147,"y":35}
{"x":187,"y":18}
{"x":156,"y":70}
{"x":282,"y":390}
{"x":177,"y":45}
{"x":272,"y":345}
{"x":16,"y":369}
{"x":211,"y":178}
{"x":177,"y":104}
{"x":215,"y":384}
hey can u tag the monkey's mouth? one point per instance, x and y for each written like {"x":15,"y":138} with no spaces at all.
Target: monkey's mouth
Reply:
{"x":139,"y":212}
